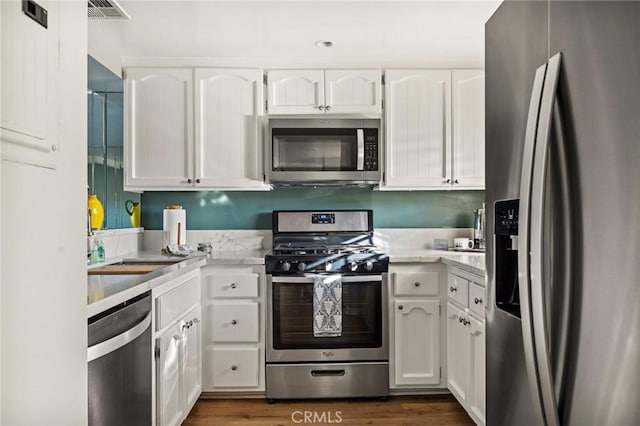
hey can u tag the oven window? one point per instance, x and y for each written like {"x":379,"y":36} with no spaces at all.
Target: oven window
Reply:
{"x":315,"y":150}
{"x":293,"y":317}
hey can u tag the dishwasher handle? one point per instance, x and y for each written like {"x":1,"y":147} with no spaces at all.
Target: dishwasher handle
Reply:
{"x":103,"y":348}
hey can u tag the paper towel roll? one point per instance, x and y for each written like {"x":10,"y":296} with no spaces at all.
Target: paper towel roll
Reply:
{"x":174,"y":225}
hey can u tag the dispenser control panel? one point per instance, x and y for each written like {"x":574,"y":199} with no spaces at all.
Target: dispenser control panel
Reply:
{"x":506,"y":215}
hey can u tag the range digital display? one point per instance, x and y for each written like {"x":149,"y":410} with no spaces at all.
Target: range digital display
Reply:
{"x":323,"y":218}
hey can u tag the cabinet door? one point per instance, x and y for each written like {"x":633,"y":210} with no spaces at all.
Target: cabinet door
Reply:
{"x":295,"y":91}
{"x":418,"y":123}
{"x":170,"y":393}
{"x":417,"y":342}
{"x":353,"y":91}
{"x":476,"y":401}
{"x":159,"y":128}
{"x":468,"y":129}
{"x":30,"y":81}
{"x":192,"y":369}
{"x":229,"y":112}
{"x":457,"y":353}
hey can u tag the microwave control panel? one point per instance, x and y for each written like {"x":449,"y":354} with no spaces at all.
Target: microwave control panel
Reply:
{"x":371,"y":149}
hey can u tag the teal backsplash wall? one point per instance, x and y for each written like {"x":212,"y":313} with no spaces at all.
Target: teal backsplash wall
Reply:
{"x":252,"y":210}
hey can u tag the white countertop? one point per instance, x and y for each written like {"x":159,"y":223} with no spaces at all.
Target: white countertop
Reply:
{"x":106,"y":291}
{"x":473,"y":262}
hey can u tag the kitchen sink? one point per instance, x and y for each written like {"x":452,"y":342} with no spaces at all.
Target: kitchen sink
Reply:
{"x":132,"y":267}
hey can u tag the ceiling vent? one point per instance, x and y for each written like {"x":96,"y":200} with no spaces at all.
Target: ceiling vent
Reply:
{"x":106,"y":9}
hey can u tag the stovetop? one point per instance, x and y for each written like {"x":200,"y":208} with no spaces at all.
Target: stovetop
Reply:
{"x":338,"y":241}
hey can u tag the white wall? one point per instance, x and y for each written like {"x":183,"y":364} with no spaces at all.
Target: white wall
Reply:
{"x":105,"y":43}
{"x":43,"y":272}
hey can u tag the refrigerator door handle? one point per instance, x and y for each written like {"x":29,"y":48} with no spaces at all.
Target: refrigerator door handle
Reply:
{"x":536,"y":244}
{"x":523,"y":241}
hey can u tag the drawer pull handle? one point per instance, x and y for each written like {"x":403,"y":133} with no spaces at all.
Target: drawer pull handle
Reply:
{"x":321,"y":373}
{"x":233,"y":285}
{"x":400,"y":307}
{"x":460,"y":320}
{"x":477,"y":301}
{"x":234,"y":322}
{"x":453,"y":289}
{"x":417,"y":284}
{"x":466,"y":322}
{"x":234,"y":367}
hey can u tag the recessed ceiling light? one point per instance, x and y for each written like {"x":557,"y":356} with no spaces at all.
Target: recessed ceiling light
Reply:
{"x":324,"y":43}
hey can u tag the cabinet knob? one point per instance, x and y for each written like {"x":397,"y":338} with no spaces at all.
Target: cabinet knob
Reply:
{"x":234,"y":322}
{"x":233,"y":285}
{"x":460,"y":320}
{"x":234,"y":367}
{"x":327,"y":107}
{"x":456,"y":181}
{"x":453,"y":289}
{"x":198,"y":180}
{"x":321,"y":107}
{"x":417,"y":284}
{"x":447,"y":181}
{"x":189,"y":180}
{"x":466,"y":322}
{"x":477,"y":301}
{"x":400,"y":307}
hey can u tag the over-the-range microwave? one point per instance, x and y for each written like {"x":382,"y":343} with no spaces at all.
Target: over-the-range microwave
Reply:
{"x":318,"y":151}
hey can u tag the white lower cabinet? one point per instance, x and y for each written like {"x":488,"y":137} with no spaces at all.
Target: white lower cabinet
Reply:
{"x":233,"y":331}
{"x":466,"y":350}
{"x":178,"y":348}
{"x":417,"y":345}
{"x":416,"y":341}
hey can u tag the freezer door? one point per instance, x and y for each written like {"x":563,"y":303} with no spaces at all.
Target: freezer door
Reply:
{"x":516,"y":45}
{"x":596,"y":361}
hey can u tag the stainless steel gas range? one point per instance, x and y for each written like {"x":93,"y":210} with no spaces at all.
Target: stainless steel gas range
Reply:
{"x":327,"y":332}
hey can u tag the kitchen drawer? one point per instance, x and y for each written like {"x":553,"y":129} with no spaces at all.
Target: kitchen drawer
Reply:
{"x":234,"y":322}
{"x":244,"y":286}
{"x":170,"y":306}
{"x":476,"y":299}
{"x":416,"y":284}
{"x":232,"y":368}
{"x":458,"y":289}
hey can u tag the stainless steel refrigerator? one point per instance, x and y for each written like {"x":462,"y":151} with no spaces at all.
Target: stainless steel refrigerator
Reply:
{"x":563,"y":213}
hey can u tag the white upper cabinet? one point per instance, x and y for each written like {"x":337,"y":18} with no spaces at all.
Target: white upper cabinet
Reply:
{"x":418,"y":123}
{"x":159,"y":138}
{"x":229,"y":109}
{"x":434,"y":129}
{"x":468,"y":129}
{"x":170,"y":147}
{"x":353,"y":91}
{"x":30,"y":88}
{"x":295,"y":91}
{"x":346,"y":91}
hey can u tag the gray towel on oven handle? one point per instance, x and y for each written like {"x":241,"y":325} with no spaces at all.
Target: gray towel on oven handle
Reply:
{"x":327,"y":305}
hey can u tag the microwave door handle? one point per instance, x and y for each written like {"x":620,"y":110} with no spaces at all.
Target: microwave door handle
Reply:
{"x":360,"y":138}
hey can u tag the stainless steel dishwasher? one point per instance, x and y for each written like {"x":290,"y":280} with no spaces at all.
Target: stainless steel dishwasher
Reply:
{"x":120,"y":355}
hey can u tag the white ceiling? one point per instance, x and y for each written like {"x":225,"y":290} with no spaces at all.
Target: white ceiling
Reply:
{"x":269,"y":33}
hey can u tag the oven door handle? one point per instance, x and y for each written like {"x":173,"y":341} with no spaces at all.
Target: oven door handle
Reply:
{"x":360,"y":138}
{"x":309,"y":278}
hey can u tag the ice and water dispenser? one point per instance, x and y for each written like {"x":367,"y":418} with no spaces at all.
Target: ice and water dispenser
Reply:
{"x":506,"y":256}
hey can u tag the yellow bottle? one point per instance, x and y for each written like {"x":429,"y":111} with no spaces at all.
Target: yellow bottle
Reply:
{"x":96,"y":211}
{"x":134,"y":212}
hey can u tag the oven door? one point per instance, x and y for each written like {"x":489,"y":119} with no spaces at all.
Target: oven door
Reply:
{"x":290,"y":321}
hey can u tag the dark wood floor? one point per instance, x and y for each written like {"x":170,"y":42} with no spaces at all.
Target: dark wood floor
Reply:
{"x":414,"y":410}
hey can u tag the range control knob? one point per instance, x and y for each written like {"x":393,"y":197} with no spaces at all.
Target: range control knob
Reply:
{"x":368,"y":265}
{"x":353,"y":266}
{"x":328,"y":266}
{"x":286,"y":266}
{"x":302,"y":266}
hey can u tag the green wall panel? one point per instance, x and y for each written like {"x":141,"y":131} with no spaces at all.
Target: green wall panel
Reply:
{"x":252,"y":210}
